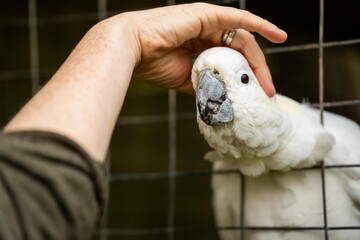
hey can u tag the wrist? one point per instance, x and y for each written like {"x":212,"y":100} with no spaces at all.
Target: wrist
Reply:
{"x":120,"y":34}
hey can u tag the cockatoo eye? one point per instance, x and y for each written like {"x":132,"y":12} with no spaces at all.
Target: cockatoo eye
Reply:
{"x":245,"y":78}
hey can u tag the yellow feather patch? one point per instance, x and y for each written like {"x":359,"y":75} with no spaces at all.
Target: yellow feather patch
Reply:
{"x":287,"y":104}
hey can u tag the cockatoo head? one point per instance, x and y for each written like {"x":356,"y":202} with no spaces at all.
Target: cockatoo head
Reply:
{"x":222,"y":78}
{"x":234,"y":114}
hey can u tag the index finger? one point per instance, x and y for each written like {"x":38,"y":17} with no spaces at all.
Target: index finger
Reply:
{"x":245,"y":43}
{"x":245,"y":22}
{"x":232,"y":18}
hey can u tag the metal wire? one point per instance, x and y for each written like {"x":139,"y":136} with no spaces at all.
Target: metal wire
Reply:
{"x":171,"y":176}
{"x":172,"y":164}
{"x":34,"y":47}
{"x":242,"y":206}
{"x":311,"y":46}
{"x":204,"y":229}
{"x":13,"y":75}
{"x":321,"y":107}
{"x":242,"y":5}
{"x":164,"y":176}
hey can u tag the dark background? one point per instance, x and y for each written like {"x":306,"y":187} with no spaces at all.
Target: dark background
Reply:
{"x":142,"y":142}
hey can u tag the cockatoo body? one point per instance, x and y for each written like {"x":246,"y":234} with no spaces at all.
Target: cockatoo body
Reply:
{"x":270,"y":141}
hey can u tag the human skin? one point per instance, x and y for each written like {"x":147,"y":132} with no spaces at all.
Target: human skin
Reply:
{"x":83,"y":99}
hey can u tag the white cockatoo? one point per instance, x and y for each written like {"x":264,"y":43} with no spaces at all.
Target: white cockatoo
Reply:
{"x":269,"y":140}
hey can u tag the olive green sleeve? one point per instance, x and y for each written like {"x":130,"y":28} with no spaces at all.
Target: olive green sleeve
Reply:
{"x":49,"y":188}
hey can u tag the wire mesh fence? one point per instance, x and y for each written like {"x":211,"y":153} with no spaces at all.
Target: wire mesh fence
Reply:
{"x":170,"y":182}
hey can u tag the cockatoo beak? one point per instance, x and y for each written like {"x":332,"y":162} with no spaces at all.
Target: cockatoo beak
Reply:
{"x":212,"y":101}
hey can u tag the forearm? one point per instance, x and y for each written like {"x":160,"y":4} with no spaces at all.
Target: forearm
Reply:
{"x":83,"y":99}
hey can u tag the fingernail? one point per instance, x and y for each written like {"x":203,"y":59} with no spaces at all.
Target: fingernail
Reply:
{"x":284,"y":33}
{"x":273,"y":88}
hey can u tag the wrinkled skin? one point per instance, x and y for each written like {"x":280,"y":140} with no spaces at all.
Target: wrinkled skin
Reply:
{"x":167,"y":38}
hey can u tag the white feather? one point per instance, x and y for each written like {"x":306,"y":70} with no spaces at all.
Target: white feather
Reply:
{"x":266,"y":139}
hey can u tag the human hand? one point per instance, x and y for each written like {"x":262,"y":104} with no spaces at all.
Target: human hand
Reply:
{"x":84,"y":97}
{"x":167,"y":37}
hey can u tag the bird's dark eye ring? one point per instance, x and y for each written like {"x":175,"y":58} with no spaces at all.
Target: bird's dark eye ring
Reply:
{"x":245,"y":78}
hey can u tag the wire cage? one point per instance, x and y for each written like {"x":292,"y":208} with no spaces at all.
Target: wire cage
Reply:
{"x":159,"y":183}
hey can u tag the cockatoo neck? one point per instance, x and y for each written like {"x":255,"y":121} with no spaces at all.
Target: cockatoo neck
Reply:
{"x":256,"y":131}
{"x":258,"y":127}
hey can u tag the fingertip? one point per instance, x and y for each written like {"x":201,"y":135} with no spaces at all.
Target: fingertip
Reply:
{"x":282,"y":36}
{"x":265,"y":81}
{"x":271,"y":90}
{"x":278,"y":35}
{"x":283,"y":33}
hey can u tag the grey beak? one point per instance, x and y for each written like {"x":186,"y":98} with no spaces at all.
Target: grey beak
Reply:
{"x":212,"y":102}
